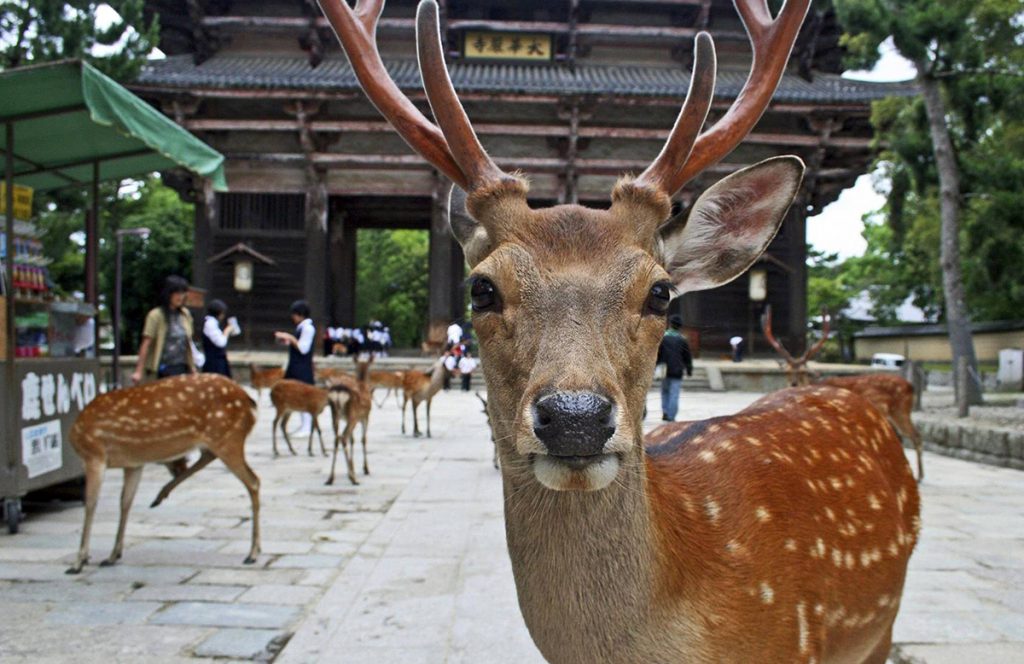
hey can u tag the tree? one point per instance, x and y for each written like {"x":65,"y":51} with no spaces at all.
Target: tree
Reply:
{"x":392,"y":281}
{"x":33,"y":31}
{"x":947,"y":42}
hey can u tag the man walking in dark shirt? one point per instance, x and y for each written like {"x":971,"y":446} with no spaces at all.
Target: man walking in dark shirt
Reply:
{"x":674,"y":353}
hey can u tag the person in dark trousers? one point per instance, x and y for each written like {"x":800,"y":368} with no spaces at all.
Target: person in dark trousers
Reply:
{"x":215,"y":338}
{"x":300,"y":351}
{"x":674,"y":353}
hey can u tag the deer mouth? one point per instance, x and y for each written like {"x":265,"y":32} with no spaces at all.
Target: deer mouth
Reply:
{"x":576,"y":473}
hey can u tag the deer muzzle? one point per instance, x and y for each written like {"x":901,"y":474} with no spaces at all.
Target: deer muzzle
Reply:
{"x":574,"y":427}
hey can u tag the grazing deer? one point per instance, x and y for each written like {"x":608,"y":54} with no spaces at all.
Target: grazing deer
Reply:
{"x":892,"y":395}
{"x":161,"y":422}
{"x":264,"y":378}
{"x":494,"y":460}
{"x":781,"y":534}
{"x":351,"y":399}
{"x":418,"y":387}
{"x":293,"y":396}
{"x":393,"y":381}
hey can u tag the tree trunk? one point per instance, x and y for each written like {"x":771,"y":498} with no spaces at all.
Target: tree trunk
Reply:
{"x":960,"y":341}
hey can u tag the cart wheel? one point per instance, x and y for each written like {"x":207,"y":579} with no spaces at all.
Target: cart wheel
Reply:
{"x":12,"y":512}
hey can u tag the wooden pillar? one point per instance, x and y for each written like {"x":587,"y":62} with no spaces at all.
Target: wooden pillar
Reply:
{"x":446,"y":267}
{"x":314,"y":282}
{"x":207,"y":214}
{"x":342,"y":287}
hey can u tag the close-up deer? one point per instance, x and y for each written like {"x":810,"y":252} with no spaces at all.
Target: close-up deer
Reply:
{"x":162,"y":422}
{"x":780,"y":534}
{"x":892,"y":395}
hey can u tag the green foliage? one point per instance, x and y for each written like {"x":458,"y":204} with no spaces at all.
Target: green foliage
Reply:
{"x":168,"y":250}
{"x":392,"y":281}
{"x":34,"y":31}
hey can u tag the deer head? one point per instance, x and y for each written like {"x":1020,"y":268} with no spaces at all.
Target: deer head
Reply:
{"x":569,"y":302}
{"x":796,"y":367}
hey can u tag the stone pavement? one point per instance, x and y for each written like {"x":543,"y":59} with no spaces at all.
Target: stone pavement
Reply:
{"x":411,"y":566}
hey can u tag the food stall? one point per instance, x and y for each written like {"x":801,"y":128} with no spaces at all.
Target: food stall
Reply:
{"x":64,"y":125}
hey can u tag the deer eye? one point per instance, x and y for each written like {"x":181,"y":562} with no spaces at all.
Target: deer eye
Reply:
{"x":658,"y":299}
{"x":483,"y":295}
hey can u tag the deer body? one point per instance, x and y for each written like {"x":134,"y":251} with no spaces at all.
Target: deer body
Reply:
{"x":419,"y":387}
{"x":622,"y":555}
{"x":264,"y":378}
{"x":351,"y":399}
{"x":293,"y":396}
{"x":392,"y":381}
{"x":161,"y":422}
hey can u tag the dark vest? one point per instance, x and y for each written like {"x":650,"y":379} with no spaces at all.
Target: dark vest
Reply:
{"x":300,"y":366}
{"x":216,"y":358}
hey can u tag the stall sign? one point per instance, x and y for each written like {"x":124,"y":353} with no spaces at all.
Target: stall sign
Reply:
{"x":22,"y":201}
{"x":55,"y":393}
{"x":41,"y":448}
{"x":506,"y":46}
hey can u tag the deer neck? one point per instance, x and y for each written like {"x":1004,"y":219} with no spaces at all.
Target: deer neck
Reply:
{"x":583,"y":563}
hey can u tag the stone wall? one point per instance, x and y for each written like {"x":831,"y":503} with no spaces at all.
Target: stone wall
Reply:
{"x":965,"y":439}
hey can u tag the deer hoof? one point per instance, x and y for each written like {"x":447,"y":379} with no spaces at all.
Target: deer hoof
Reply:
{"x":109,"y":562}
{"x":251,"y":560}
{"x":75,"y":569}
{"x":354,"y":481}
{"x":329,"y":481}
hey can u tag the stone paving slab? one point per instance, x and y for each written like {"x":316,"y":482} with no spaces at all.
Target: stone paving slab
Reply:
{"x":411,"y":565}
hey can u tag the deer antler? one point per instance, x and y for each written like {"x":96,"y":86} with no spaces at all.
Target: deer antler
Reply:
{"x":356,"y":29}
{"x":816,"y":348}
{"x":772,"y":41}
{"x":766,"y":327}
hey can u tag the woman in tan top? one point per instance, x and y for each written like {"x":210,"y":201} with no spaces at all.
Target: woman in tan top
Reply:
{"x":166,"y":348}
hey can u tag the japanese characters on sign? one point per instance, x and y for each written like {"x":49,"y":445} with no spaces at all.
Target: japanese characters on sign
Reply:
{"x":41,"y":448}
{"x":506,"y":46}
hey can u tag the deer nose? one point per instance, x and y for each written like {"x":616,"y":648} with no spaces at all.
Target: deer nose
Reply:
{"x":573,"y":424}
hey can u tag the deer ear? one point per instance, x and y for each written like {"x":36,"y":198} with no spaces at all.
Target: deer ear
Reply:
{"x":469,"y":233}
{"x":730,"y":225}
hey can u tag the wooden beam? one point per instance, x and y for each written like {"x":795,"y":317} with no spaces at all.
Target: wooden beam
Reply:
{"x":504,"y":129}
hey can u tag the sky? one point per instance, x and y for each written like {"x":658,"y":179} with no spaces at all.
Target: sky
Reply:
{"x":838,"y":228}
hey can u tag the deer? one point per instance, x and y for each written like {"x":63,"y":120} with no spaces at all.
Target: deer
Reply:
{"x":351,"y":399}
{"x":263,"y":378}
{"x":293,"y":396}
{"x":393,"y":381}
{"x":892,"y":395}
{"x":419,"y":387}
{"x":161,"y":422}
{"x":779,"y":534}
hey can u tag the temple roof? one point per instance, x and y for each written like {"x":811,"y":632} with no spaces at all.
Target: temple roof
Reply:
{"x":239,"y":72}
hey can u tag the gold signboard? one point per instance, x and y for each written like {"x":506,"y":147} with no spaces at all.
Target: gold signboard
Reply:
{"x":22,"y":201}
{"x":479,"y":45}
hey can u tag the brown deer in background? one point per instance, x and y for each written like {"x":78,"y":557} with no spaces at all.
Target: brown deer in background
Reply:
{"x":419,"y":387}
{"x":293,"y":396}
{"x":161,"y":422}
{"x":797,"y":372}
{"x":741,"y":540}
{"x":351,"y":399}
{"x":392,"y":381}
{"x":264,"y":378}
{"x":892,"y":395}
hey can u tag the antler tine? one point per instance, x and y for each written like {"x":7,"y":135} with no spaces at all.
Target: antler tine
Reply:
{"x":772,"y":42}
{"x":665,"y":169}
{"x":766,"y":327}
{"x":448,"y":110}
{"x":816,"y":348}
{"x":356,"y":30}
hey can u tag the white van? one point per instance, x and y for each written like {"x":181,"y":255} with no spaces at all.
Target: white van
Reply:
{"x":887,"y":361}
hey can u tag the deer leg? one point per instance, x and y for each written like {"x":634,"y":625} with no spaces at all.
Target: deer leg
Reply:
{"x":880,"y":655}
{"x":405,"y":400}
{"x":93,"y":481}
{"x":284,"y":432}
{"x":350,"y":452}
{"x":273,"y":432}
{"x":366,"y":462}
{"x":334,"y":459}
{"x":415,"y":419}
{"x":428,"y":417}
{"x":320,"y":434}
{"x":313,"y":427}
{"x":233,"y":456}
{"x":202,"y":462}
{"x":131,"y":485}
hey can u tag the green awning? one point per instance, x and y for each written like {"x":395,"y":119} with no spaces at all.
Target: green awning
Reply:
{"x":68,"y":116}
